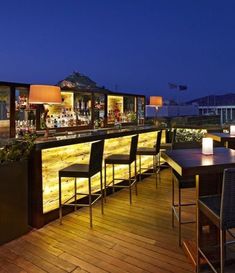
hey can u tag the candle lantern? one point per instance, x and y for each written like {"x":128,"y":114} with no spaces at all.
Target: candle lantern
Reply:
{"x":207,"y":146}
{"x":232,"y":130}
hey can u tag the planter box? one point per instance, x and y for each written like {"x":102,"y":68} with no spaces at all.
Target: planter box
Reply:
{"x":13,"y":200}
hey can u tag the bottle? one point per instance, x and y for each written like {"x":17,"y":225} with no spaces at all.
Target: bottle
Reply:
{"x":65,"y":121}
{"x":58,"y":122}
{"x":62,"y":121}
{"x":26,"y":126}
{"x":71,"y":119}
{"x":101,"y":123}
{"x":55,"y":123}
{"x":48,"y":121}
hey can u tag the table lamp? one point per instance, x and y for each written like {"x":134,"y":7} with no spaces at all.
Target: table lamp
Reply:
{"x":207,"y":146}
{"x":46,"y":95}
{"x":155,"y":101}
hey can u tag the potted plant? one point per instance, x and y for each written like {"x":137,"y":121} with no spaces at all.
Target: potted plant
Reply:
{"x":14,"y":188}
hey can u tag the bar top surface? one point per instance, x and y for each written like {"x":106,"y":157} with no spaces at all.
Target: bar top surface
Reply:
{"x":74,"y":137}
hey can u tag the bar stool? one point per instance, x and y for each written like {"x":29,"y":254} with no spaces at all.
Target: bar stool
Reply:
{"x":171,"y":137}
{"x":155,"y":153}
{"x":84,"y":171}
{"x":170,"y":140}
{"x":122,"y":159}
{"x":182,"y":182}
{"x":220,"y":210}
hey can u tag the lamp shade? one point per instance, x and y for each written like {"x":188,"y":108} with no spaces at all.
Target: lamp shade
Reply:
{"x":155,"y":100}
{"x":48,"y":94}
{"x":207,"y":146}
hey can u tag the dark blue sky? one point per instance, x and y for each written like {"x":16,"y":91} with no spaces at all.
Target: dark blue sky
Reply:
{"x":137,"y":45}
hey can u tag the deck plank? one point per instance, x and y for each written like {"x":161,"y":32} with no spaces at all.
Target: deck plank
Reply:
{"x":134,"y":239}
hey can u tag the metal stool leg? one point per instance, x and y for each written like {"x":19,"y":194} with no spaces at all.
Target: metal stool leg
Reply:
{"x":158,"y":166}
{"x":90,"y":201}
{"x":101,"y":191}
{"x":130,"y":184}
{"x":197,"y":242}
{"x":139,"y":167}
{"x":75,"y":192}
{"x":173,"y":203}
{"x":154,"y":168}
{"x":136,"y":190}
{"x":179,"y":206}
{"x":113,"y":178}
{"x":222,"y":250}
{"x":105,"y":183}
{"x":60,"y":205}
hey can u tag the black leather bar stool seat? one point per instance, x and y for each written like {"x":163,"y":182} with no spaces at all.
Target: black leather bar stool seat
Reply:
{"x":184,"y":182}
{"x":166,"y":146}
{"x":146,"y":151}
{"x":76,"y":170}
{"x":155,"y":153}
{"x":122,"y":159}
{"x":118,"y":159}
{"x":210,"y":206}
{"x":84,"y":171}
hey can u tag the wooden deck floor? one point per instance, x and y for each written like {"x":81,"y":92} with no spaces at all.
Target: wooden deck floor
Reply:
{"x":137,"y":238}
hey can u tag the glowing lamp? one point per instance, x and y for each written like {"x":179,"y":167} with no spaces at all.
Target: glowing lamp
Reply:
{"x":155,"y":101}
{"x":232,"y":130}
{"x":207,"y":146}
{"x":45,"y":94}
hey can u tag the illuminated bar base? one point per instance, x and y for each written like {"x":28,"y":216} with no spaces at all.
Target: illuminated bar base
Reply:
{"x":54,"y":159}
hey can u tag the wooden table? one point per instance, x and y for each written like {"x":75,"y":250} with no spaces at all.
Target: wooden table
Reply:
{"x":225,"y":138}
{"x":208,"y":170}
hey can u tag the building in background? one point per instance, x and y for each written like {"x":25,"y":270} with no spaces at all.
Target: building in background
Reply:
{"x":170,"y":109}
{"x":222,"y":105}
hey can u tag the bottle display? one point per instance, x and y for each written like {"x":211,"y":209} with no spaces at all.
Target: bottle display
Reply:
{"x":25,"y":113}
{"x":121,"y":109}
{"x":75,"y":110}
{"x":84,"y":108}
{"x":4,"y":112}
{"x":99,"y":111}
{"x":140,"y":109}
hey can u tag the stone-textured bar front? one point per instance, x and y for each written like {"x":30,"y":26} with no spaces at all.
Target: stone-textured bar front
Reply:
{"x":61,"y":151}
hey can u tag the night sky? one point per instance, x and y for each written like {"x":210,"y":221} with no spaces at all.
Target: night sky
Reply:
{"x":133,"y":46}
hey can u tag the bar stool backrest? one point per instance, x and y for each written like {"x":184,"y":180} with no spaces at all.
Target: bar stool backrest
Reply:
{"x":133,"y":149}
{"x":158,"y":141}
{"x":227,"y":210}
{"x":96,"y":157}
{"x":173,"y":136}
{"x":170,"y":135}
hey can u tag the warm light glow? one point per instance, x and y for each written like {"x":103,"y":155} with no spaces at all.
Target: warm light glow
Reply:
{"x":232,"y":130}
{"x":48,"y":94}
{"x":207,"y":146}
{"x":207,"y":160}
{"x":54,"y":159}
{"x":155,"y":101}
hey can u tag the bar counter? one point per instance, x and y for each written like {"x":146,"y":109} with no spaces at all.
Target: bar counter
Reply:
{"x":56,"y":152}
{"x":74,"y":137}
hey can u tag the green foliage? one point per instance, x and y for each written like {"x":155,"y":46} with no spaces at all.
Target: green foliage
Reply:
{"x":184,"y":135}
{"x":17,"y":150}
